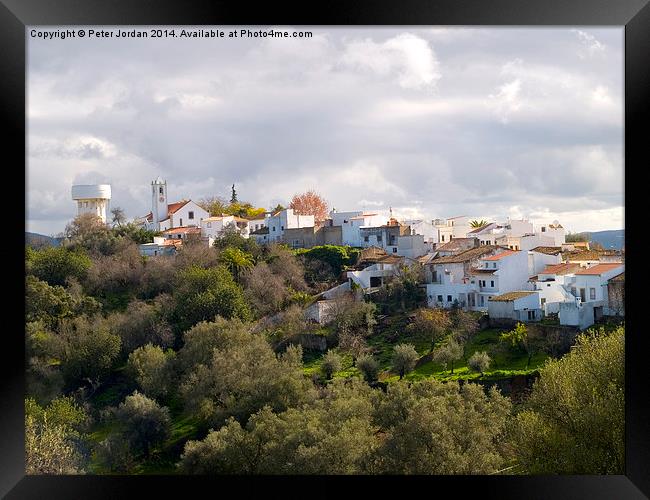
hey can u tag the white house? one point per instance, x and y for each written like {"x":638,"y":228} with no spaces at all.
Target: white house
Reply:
{"x":166,"y":215}
{"x":524,"y":242}
{"x":285,"y":219}
{"x":506,"y":234}
{"x":351,"y":227}
{"x":160,"y":246}
{"x":589,"y":287}
{"x":497,"y":274}
{"x":449,"y":278}
{"x":540,"y":257}
{"x":412,"y":245}
{"x":522,"y":305}
{"x":554,"y":231}
{"x":423,"y":227}
{"x":377,"y":274}
{"x":454,"y":227}
{"x":256,"y":224}
{"x":213,"y":226}
{"x":550,"y":284}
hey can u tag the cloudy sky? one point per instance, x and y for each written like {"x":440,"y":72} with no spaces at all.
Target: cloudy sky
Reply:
{"x":433,"y":122}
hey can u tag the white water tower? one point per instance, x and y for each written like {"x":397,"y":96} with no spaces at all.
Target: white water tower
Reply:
{"x":92,"y":199}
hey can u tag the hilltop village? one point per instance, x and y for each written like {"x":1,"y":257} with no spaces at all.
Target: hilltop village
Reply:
{"x":510,"y":269}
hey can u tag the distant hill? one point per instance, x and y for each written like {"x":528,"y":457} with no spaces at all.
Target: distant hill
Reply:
{"x":40,"y":240}
{"x":609,"y":239}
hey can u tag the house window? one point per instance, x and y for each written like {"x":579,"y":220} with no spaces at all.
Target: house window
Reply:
{"x":482,"y":301}
{"x":492,"y":284}
{"x":379,"y":237}
{"x":180,"y":222}
{"x":531,"y":315}
{"x":494,"y":265}
{"x":273,"y":228}
{"x":592,"y":294}
{"x":573,"y":291}
{"x":281,"y":228}
{"x":434,"y":276}
{"x":160,"y":190}
{"x":257,"y":226}
{"x":190,"y":215}
{"x":448,"y":298}
{"x":443,"y":237}
{"x":451,"y":237}
{"x":366,"y":238}
{"x":543,"y":229}
{"x":395,"y":250}
{"x":439,"y":298}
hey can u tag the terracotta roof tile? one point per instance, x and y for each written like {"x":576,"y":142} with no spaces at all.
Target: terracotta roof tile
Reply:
{"x":467,"y":255}
{"x":599,"y":269}
{"x":174,"y":207}
{"x":501,"y":255}
{"x":183,"y":230}
{"x":566,"y":268}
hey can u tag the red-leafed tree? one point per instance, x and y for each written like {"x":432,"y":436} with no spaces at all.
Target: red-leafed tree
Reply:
{"x":310,"y":203}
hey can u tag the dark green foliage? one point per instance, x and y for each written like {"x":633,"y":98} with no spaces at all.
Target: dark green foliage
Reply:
{"x":202,"y":294}
{"x":574,"y":421}
{"x":241,"y":375}
{"x":479,"y":362}
{"x":151,"y":368}
{"x":236,"y":260}
{"x":135,"y":233}
{"x":369,"y":367}
{"x":436,"y":428}
{"x":143,"y":423}
{"x":337,"y":257}
{"x":331,"y":364}
{"x":331,"y":436}
{"x":46,"y":303}
{"x":86,"y":349}
{"x":404,"y":358}
{"x":142,"y":323}
{"x":88,"y":232}
{"x":230,"y":238}
{"x":403,"y":291}
{"x":427,"y":428}
{"x":56,"y":264}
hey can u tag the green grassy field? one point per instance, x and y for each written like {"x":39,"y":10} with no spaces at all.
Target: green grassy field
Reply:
{"x":506,"y":361}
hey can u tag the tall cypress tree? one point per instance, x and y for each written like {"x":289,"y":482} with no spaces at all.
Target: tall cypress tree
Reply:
{"x":233,"y":198}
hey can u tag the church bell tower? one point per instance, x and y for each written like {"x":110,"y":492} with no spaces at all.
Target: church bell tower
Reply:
{"x":158,"y":201}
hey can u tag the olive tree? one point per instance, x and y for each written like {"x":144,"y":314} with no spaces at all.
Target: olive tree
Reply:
{"x":574,"y":422}
{"x":479,"y":362}
{"x":331,"y":363}
{"x":404,"y":358}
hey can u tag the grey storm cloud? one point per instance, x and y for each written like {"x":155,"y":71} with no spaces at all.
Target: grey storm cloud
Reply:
{"x":433,"y":122}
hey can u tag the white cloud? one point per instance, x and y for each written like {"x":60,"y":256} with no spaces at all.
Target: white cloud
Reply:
{"x":406,"y":57}
{"x":507,"y":100}
{"x":589,"y":45}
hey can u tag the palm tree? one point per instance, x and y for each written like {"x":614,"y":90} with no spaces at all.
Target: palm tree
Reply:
{"x":236,"y":260}
{"x":478,"y":223}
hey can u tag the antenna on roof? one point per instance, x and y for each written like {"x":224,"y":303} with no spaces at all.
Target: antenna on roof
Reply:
{"x":390,"y":209}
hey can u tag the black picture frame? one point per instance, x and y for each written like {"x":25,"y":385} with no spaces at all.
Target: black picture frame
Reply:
{"x":634,"y":15}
